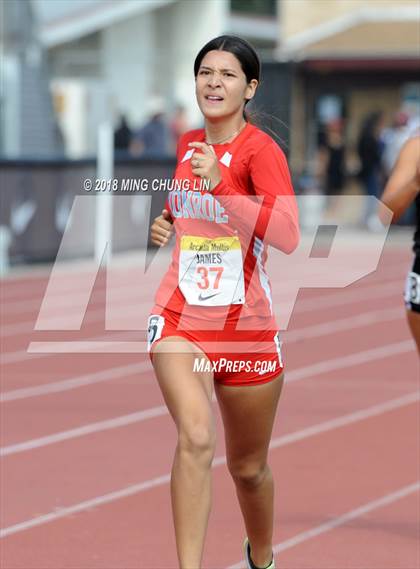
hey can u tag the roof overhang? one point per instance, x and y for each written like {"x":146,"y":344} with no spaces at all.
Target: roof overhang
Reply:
{"x":365,"y":33}
{"x":260,"y":27}
{"x":329,"y":64}
{"x":69,"y":21}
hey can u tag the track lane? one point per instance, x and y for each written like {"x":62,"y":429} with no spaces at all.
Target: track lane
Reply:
{"x":367,"y":459}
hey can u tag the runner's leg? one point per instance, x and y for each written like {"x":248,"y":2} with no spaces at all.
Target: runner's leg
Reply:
{"x":414,"y":323}
{"x":248,"y":414}
{"x":188,"y":397}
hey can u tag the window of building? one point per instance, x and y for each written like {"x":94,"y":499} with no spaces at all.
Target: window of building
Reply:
{"x":257,"y":7}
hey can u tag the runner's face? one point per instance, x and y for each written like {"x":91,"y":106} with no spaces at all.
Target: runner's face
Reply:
{"x":221,"y":85}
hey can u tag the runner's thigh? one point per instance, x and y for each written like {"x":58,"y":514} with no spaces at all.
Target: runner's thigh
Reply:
{"x":187,"y":393}
{"x":414,"y":323}
{"x":248,"y":414}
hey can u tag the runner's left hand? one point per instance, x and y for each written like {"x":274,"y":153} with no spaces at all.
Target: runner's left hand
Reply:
{"x":205,"y":163}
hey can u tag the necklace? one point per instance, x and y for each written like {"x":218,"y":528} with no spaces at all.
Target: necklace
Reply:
{"x":227,"y":137}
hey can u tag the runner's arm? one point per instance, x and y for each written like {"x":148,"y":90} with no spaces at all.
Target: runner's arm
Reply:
{"x":404,"y":183}
{"x":277,"y":218}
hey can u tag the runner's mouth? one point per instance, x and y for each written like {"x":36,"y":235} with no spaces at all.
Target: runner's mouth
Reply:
{"x":214,"y":99}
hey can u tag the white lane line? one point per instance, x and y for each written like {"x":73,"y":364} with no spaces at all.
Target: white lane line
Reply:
{"x":135,"y":307}
{"x":352,"y":360}
{"x":63,"y":300}
{"x":278,"y":442}
{"x":75,"y":382}
{"x":70,"y":274}
{"x":345,"y":420}
{"x":295,"y":375}
{"x":343,"y":324}
{"x":340,"y":520}
{"x":96,"y":315}
{"x":67,"y":302}
{"x":338,"y":325}
{"x":302,"y":306}
{"x":17,"y":356}
{"x":89,"y":347}
{"x":100,"y":426}
{"x":137,"y":347}
{"x":374,"y":292}
{"x":102,"y":344}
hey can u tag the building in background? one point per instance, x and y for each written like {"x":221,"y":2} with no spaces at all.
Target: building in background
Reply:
{"x":347,"y":59}
{"x":76,"y":63}
{"x":28,"y":126}
{"x":98,"y":59}
{"x":108,"y":58}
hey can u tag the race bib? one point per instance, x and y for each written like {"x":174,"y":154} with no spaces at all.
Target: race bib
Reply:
{"x":155,"y":324}
{"x":211,"y":271}
{"x":412,"y":288}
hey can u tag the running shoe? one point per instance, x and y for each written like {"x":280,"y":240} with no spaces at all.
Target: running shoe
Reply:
{"x":249,"y":563}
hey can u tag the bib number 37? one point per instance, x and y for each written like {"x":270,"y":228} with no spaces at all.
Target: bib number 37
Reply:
{"x":215,"y":276}
{"x":211,"y":270}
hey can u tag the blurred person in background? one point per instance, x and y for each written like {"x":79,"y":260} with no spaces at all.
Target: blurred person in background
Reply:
{"x":154,"y":137}
{"x":178,"y":124}
{"x":331,"y":163}
{"x":370,"y":149}
{"x":402,"y":189}
{"x":393,"y":140}
{"x":122,"y":136}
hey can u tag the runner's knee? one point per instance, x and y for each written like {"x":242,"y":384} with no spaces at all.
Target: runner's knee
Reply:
{"x":197,"y":439}
{"x":248,"y":474}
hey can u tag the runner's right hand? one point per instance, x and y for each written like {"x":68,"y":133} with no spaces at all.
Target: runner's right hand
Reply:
{"x":162,"y":229}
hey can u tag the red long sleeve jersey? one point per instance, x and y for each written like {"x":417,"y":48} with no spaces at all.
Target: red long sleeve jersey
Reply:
{"x":218,"y":262}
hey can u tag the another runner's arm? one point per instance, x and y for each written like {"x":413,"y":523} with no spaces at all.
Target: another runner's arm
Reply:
{"x":277,"y":218}
{"x":404,"y":183}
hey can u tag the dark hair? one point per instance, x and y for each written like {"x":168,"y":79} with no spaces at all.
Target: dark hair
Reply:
{"x":241,"y":49}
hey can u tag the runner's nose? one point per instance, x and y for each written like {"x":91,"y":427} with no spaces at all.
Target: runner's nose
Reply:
{"x":214,"y":80}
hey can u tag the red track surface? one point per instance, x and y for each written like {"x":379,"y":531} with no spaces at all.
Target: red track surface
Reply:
{"x":86,"y":463}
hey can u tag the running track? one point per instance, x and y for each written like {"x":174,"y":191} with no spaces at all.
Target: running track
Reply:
{"x":87,"y":444}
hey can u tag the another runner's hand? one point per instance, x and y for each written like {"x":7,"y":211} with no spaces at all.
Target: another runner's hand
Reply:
{"x":162,"y":229}
{"x":204,"y":163}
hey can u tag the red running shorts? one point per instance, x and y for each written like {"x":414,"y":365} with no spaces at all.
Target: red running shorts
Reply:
{"x":236,"y":357}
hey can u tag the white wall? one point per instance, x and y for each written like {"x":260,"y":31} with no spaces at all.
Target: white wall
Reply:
{"x":150,"y":54}
{"x":153,"y":54}
{"x":10,"y":101}
{"x":128,"y":64}
{"x":193,"y":25}
{"x":72,"y":117}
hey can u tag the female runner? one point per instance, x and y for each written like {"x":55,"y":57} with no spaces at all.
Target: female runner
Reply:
{"x":213,"y":307}
{"x":401,"y":190}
